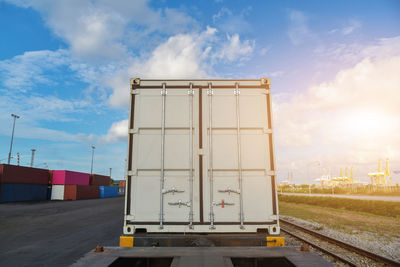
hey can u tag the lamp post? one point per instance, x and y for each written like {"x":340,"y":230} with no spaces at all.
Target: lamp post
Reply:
{"x":33,"y":156}
{"x":12,"y":137}
{"x":91,"y":168}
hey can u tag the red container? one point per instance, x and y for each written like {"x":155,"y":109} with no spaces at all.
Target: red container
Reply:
{"x":96,"y":179}
{"x":11,"y":174}
{"x":71,"y":178}
{"x":122,"y":183}
{"x":75,"y":192}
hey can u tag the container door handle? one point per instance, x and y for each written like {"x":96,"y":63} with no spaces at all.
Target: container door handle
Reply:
{"x":180,"y":203}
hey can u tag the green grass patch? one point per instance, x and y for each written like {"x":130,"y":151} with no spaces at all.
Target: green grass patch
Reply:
{"x":377,"y":207}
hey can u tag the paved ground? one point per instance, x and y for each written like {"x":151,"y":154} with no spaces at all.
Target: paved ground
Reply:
{"x":56,"y":233}
{"x":386,"y":198}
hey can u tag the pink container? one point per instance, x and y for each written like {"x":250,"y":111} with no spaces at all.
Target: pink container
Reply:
{"x":69,"y":177}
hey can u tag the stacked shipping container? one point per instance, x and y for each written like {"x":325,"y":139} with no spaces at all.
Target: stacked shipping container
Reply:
{"x":69,"y":185}
{"x":104,"y":183}
{"x":19,"y":183}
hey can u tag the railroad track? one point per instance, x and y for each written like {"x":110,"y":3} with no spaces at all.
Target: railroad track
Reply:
{"x":342,"y":251}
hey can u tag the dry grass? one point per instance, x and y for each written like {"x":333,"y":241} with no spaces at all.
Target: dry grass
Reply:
{"x":342,"y":220}
{"x":377,"y":207}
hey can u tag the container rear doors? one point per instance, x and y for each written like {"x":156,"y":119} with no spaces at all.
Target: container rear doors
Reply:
{"x":200,"y":157}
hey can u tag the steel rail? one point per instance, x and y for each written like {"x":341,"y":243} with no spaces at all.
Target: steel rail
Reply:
{"x":350,"y":263}
{"x":342,"y":244}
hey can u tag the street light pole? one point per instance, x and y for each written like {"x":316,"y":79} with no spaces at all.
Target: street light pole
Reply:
{"x":33,"y":156}
{"x":12,"y":136}
{"x":91,"y":168}
{"x":110,"y":172}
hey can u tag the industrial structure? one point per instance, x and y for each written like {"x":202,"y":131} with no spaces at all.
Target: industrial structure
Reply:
{"x":381,"y":177}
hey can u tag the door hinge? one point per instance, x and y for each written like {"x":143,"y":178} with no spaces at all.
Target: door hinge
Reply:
{"x":133,"y":131}
{"x":132,"y":172}
{"x":270,"y":173}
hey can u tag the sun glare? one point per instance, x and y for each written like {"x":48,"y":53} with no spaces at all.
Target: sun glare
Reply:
{"x":366,"y":123}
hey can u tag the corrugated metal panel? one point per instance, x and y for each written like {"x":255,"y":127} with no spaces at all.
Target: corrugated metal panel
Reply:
{"x":75,"y":192}
{"x":108,"y":191}
{"x":57,"y":192}
{"x":200,"y":154}
{"x":70,"y":178}
{"x":96,"y":179}
{"x":23,"y":175}
{"x":22,"y":192}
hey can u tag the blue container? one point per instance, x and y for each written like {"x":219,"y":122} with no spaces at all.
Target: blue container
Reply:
{"x":108,"y":191}
{"x":22,"y":192}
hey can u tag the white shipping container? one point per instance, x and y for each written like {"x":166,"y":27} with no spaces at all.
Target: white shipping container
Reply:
{"x":57,"y":192}
{"x":200,"y":157}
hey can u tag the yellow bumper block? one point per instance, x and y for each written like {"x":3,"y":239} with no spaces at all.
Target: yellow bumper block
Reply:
{"x":126,"y":241}
{"x":275,"y":241}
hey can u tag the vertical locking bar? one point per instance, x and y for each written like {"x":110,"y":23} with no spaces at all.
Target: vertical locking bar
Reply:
{"x":191,"y":95}
{"x":239,"y":156}
{"x":210,"y":156}
{"x":163,"y":95}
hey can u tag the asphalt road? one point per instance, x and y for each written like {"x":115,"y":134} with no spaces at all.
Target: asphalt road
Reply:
{"x":56,"y":233}
{"x":385,"y":198}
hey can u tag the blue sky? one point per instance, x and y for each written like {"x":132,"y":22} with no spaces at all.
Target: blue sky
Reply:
{"x":65,"y":69}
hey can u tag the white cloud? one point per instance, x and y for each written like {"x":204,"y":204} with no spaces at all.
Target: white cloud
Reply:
{"x":351,"y":27}
{"x":264,"y":50}
{"x":96,"y":30}
{"x":298,"y":31}
{"x":277,"y":73}
{"x":35,"y":111}
{"x":189,"y":55}
{"x":234,"y":49}
{"x":353,"y":119}
{"x":23,"y":71}
{"x":230,"y":22}
{"x":117,"y":132}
